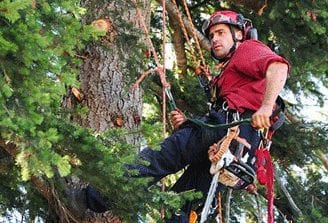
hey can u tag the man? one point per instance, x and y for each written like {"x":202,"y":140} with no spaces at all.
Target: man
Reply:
{"x":248,"y":85}
{"x":250,"y":81}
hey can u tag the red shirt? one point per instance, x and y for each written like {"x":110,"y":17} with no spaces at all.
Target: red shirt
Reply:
{"x":242,"y":83}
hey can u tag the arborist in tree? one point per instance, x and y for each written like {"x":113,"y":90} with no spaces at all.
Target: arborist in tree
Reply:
{"x":250,"y":80}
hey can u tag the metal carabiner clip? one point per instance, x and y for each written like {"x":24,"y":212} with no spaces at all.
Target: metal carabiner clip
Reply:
{"x":225,"y":106}
{"x":170,"y":97}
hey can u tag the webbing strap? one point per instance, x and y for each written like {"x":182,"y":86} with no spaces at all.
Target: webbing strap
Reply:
{"x":201,"y":123}
{"x":265,"y":175}
{"x":219,"y":126}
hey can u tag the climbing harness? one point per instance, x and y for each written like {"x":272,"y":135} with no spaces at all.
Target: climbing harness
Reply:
{"x":202,"y":123}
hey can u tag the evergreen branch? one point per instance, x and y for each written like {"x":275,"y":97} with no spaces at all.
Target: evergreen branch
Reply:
{"x":287,"y":194}
{"x":323,"y":159}
{"x":259,"y":212}
{"x":47,"y":191}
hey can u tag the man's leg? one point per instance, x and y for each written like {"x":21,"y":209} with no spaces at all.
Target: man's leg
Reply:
{"x":187,"y":145}
{"x":252,"y":136}
{"x":197,"y":176}
{"x":171,"y":157}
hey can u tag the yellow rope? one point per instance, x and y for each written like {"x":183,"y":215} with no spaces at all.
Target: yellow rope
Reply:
{"x":185,"y":33}
{"x":194,"y":33}
{"x":219,"y":207}
{"x":160,"y":70}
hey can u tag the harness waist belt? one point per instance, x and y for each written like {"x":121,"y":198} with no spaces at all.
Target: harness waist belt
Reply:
{"x":221,"y":105}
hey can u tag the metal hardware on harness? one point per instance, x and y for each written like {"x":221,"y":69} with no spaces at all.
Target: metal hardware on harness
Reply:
{"x":221,"y":159}
{"x":225,"y":106}
{"x":237,"y":175}
{"x":171,"y":99}
{"x":207,"y":210}
{"x":236,"y":116}
{"x":227,"y":168}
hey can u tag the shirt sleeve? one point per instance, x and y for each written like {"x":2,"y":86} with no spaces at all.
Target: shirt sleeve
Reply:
{"x":253,"y":59}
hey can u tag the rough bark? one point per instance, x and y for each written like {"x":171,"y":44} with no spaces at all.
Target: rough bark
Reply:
{"x":104,"y":78}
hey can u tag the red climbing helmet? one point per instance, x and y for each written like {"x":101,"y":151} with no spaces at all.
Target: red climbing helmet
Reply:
{"x":231,"y":18}
{"x":224,"y":17}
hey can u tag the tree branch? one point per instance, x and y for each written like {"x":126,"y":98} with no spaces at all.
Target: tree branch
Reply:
{"x":287,"y":194}
{"x":5,"y":164}
{"x":47,"y":191}
{"x":171,"y":10}
{"x":178,"y":42}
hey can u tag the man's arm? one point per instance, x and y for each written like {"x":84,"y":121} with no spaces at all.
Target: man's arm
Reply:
{"x":276,"y":76}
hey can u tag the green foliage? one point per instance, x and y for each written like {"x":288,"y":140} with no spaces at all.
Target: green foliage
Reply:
{"x":39,"y":59}
{"x":17,"y":196}
{"x":33,"y":80}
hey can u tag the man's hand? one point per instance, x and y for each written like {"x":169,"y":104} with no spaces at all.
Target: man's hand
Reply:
{"x":276,"y":76}
{"x":177,"y":118}
{"x":261,"y":118}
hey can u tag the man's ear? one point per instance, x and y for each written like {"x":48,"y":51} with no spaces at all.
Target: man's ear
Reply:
{"x":239,"y":35}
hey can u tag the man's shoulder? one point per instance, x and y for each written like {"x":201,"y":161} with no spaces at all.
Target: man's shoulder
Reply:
{"x":254,"y":49}
{"x":251,"y":43}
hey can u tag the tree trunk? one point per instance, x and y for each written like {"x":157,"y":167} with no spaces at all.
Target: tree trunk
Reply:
{"x":105,"y":83}
{"x":104,"y":76}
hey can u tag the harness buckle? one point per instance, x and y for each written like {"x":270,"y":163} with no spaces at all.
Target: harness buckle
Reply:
{"x":225,"y":106}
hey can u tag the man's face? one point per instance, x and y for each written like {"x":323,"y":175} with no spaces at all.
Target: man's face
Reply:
{"x":221,"y":39}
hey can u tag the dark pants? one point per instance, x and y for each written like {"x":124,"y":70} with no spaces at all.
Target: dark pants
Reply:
{"x":187,"y":147}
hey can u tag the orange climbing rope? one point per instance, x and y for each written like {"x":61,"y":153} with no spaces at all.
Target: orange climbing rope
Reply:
{"x":160,"y":70}
{"x":185,"y":34}
{"x":194,"y":33}
{"x":163,"y":80}
{"x":199,"y":68}
{"x":219,"y":207}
